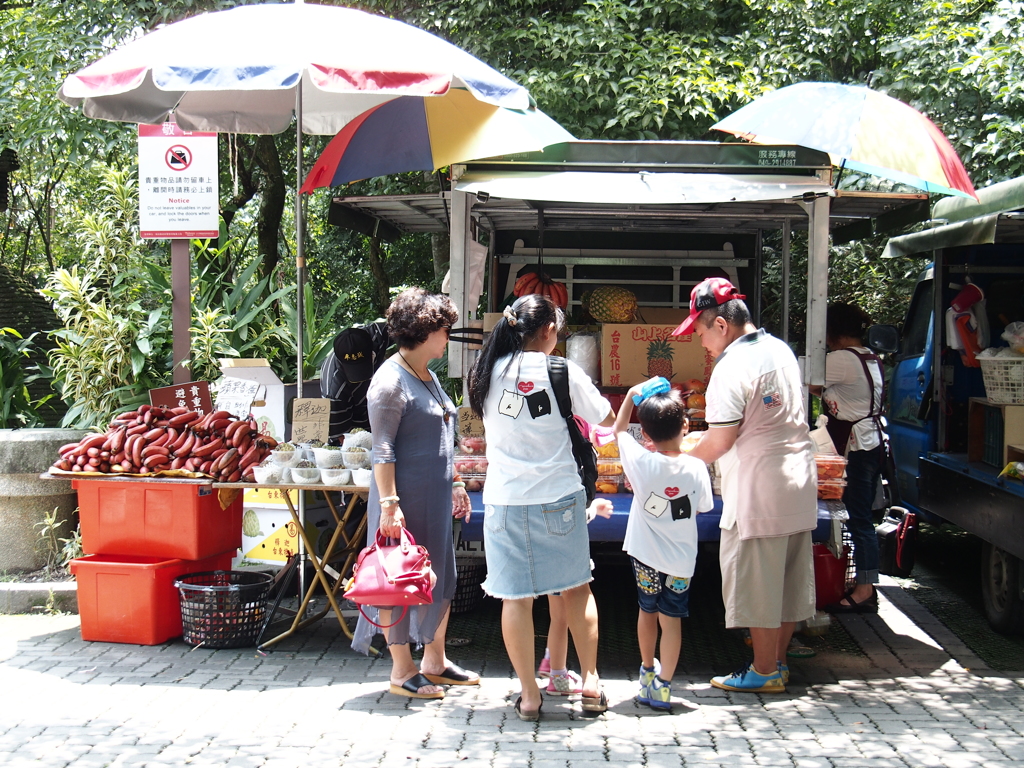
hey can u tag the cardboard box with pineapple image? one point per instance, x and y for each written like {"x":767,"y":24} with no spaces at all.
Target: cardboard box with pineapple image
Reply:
{"x":632,"y":353}
{"x":268,"y":533}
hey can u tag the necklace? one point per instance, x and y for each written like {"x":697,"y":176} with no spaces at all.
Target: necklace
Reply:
{"x":430,"y":389}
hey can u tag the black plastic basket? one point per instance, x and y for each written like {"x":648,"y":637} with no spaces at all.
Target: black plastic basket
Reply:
{"x":468,"y":594}
{"x":223,"y":609}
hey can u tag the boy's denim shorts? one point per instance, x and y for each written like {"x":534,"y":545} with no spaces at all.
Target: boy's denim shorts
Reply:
{"x":658,"y":592}
{"x":536,"y":549}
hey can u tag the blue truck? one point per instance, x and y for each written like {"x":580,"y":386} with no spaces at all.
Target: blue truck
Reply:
{"x":953,"y":426}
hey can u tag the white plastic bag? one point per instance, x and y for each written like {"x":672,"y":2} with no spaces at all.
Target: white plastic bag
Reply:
{"x":582,"y":349}
{"x":821,"y":438}
{"x":1014,"y":336}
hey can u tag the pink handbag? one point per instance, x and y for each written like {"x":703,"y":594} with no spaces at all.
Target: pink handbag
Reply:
{"x":388,"y":575}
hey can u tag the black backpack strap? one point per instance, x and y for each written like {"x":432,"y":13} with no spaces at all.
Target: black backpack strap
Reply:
{"x":558,"y":373}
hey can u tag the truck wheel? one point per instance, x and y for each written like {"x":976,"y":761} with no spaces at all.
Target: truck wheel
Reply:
{"x":1001,"y":590}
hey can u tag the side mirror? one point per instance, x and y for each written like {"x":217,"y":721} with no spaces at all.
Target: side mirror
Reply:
{"x":883,"y":338}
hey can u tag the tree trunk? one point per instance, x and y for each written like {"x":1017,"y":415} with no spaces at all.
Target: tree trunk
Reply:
{"x":272,"y":200}
{"x":381,"y":281}
{"x":440,"y":250}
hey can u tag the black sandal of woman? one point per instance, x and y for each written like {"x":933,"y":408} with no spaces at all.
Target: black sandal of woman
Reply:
{"x":411,"y":688}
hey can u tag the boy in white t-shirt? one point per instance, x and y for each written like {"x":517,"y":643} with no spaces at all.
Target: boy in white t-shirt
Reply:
{"x":669,"y":488}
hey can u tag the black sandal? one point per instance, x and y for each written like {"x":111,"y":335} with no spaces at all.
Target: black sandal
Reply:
{"x":411,"y":688}
{"x":530,"y":717}
{"x":868,"y":605}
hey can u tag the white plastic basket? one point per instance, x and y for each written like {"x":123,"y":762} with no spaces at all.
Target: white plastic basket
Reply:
{"x":1004,"y":379}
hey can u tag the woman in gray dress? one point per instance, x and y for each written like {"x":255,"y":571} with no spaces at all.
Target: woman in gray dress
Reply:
{"x":413,"y":426}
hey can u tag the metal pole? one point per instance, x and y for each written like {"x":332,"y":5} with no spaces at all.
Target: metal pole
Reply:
{"x":181,"y":311}
{"x":817,"y":289}
{"x":459,"y":238}
{"x":786,"y":226}
{"x":300,"y":311}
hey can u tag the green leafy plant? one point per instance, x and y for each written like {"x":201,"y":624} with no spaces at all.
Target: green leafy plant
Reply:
{"x":17,"y":408}
{"x":59,"y":551}
{"x":116,"y":343}
{"x":318,"y":331}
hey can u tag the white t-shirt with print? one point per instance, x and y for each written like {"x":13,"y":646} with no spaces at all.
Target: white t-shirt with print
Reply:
{"x":529,"y":456}
{"x":769,"y":479}
{"x":846,"y":391}
{"x":668,"y":492}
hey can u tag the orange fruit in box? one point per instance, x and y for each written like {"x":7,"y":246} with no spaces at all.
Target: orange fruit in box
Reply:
{"x":694,"y":385}
{"x":696,"y":401}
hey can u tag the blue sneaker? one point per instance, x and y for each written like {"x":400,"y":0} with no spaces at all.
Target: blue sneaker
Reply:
{"x":747,"y":680}
{"x":784,"y":671}
{"x":659,"y":694}
{"x":647,"y":677}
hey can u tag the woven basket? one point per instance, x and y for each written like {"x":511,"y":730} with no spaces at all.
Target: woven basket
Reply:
{"x":1004,"y":379}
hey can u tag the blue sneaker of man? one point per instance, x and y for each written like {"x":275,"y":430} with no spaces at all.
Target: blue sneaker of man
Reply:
{"x":647,"y":677}
{"x":659,"y":694}
{"x":784,"y":671}
{"x":748,"y":680}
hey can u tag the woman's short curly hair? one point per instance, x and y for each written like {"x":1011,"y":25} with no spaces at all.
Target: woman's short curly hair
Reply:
{"x":415,"y":314}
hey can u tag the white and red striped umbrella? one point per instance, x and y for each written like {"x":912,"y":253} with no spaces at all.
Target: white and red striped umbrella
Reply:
{"x":237,"y":71}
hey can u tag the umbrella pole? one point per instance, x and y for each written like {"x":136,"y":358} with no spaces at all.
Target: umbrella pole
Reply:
{"x":300,"y":310}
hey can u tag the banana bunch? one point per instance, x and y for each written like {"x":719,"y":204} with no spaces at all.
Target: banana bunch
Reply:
{"x":538,"y":282}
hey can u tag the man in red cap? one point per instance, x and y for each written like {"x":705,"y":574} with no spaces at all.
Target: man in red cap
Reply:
{"x":757,"y":430}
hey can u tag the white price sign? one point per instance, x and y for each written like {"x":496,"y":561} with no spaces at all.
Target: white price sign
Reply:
{"x":178,"y":194}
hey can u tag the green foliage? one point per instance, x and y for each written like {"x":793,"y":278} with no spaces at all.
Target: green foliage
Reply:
{"x":59,"y":551}
{"x":17,"y":408}
{"x":318,"y":331}
{"x":115,"y":344}
{"x":881,"y":287}
{"x":961,"y":67}
{"x":607,"y":69}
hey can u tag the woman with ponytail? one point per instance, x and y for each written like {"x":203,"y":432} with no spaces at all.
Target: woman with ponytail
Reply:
{"x":535,"y":523}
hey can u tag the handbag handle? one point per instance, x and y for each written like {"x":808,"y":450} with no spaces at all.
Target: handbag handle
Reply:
{"x":405,"y":540}
{"x":405,"y":610}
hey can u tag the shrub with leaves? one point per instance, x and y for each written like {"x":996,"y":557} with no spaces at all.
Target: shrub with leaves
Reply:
{"x":17,"y":408}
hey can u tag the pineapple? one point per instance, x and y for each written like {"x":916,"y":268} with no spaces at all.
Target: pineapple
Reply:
{"x":659,"y":359}
{"x":610,"y":304}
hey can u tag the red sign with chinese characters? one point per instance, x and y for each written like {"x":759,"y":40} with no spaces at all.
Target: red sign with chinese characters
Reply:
{"x":195,"y":395}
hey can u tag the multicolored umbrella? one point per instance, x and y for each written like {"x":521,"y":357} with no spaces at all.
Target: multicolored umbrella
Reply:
{"x":861,"y":129}
{"x":422,"y":134}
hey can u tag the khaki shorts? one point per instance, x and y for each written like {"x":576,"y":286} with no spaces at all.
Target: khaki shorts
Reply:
{"x":766,"y":581}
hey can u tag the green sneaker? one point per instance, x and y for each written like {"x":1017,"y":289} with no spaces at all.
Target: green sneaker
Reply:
{"x":647,"y":677}
{"x":748,"y":680}
{"x":659,"y":694}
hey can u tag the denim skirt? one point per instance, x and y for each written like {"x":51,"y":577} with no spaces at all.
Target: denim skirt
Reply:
{"x":536,"y":549}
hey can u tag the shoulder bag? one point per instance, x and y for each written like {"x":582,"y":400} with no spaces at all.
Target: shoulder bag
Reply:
{"x":582,"y":449}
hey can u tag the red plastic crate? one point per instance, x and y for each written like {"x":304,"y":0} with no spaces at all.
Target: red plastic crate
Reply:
{"x":131,"y":598}
{"x":157,"y":518}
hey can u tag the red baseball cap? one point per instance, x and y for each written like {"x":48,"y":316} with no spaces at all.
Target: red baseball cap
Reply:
{"x":707,"y":294}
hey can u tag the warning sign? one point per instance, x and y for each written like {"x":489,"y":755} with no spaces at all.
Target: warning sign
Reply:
{"x":178,"y":193}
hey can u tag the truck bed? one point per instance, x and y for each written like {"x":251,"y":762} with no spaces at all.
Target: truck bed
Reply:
{"x":995,"y":513}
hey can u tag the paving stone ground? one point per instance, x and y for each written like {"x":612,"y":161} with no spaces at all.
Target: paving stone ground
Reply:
{"x":912,"y":696}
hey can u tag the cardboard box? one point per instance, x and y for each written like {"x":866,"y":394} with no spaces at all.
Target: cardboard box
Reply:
{"x":662,"y":315}
{"x":272,"y":406}
{"x":269,"y":534}
{"x":625,"y":358}
{"x":985,"y":421}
